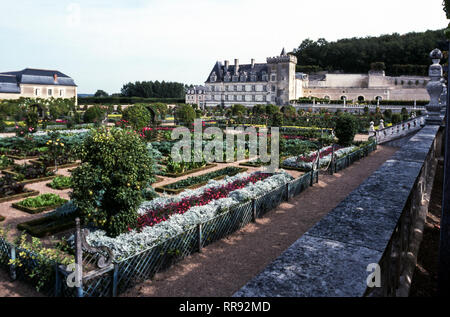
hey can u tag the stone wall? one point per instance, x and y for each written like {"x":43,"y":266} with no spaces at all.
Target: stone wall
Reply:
{"x":378,"y":224}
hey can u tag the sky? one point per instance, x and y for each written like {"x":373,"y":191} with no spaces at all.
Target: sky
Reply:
{"x":104,"y":44}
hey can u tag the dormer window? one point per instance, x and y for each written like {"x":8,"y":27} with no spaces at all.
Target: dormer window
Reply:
{"x":235,"y":78}
{"x":227,"y":77}
{"x":213,"y":77}
{"x":253,"y":77}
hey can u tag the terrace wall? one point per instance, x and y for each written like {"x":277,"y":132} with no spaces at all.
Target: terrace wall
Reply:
{"x":379,"y":224}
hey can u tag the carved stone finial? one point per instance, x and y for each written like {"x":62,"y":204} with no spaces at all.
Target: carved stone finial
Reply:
{"x":434,"y":88}
{"x":381,"y":124}
{"x":372,"y":126}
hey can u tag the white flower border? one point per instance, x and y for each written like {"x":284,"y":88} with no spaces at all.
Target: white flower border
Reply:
{"x":130,"y":243}
{"x":292,"y":161}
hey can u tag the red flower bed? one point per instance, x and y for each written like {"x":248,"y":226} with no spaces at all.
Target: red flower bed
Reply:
{"x":153,"y":217}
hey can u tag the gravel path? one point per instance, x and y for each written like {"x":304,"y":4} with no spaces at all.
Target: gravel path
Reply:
{"x":225,"y":266}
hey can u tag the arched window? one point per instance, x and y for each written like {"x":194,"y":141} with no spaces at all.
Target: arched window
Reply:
{"x":361,"y":98}
{"x":326,"y":97}
{"x":378,"y":98}
{"x":344,"y":98}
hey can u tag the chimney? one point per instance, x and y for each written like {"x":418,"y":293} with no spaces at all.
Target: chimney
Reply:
{"x":236,"y":66}
{"x":253,"y":63}
{"x":227,"y":63}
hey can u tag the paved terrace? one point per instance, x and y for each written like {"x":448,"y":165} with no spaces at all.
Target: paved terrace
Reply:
{"x":379,"y":222}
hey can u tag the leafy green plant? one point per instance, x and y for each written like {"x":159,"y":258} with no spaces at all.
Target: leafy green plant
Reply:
{"x":94,"y":114}
{"x":346,"y":128}
{"x":138,"y":116}
{"x":44,"y":200}
{"x":5,"y":161}
{"x":9,"y":186}
{"x":107,"y":187}
{"x":61,"y":182}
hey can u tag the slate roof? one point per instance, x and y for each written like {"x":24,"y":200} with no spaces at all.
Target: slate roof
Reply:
{"x":34,"y":76}
{"x":258,"y":70}
{"x":9,"y":84}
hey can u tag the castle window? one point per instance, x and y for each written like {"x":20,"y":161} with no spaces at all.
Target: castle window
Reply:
{"x":264,"y":88}
{"x":253,"y":88}
{"x":213,"y":88}
{"x":235,"y":78}
{"x":274,"y":88}
{"x":50,"y":92}
{"x":273,"y":78}
{"x":37,"y":92}
{"x":253,"y":78}
{"x":361,"y":98}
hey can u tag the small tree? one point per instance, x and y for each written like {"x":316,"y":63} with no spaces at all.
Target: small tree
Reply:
{"x":185,"y":114}
{"x":101,"y":93}
{"x":107,"y":187}
{"x":277,"y":119}
{"x":94,"y":114}
{"x":346,"y":128}
{"x":138,"y":116}
{"x":396,"y":118}
{"x":405,"y":114}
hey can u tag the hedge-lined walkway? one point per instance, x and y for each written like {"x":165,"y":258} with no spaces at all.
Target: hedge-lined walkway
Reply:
{"x":225,"y":266}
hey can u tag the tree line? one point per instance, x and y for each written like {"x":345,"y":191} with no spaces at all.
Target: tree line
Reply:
{"x":397,"y":54}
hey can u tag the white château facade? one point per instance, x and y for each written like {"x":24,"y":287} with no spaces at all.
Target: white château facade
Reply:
{"x":273,"y":82}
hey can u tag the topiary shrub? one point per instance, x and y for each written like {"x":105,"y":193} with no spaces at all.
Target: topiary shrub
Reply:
{"x":346,"y":128}
{"x":94,"y":114}
{"x":396,"y":118}
{"x":107,"y":187}
{"x":185,"y":114}
{"x":138,"y":116}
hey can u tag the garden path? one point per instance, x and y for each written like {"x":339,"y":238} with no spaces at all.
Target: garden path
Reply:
{"x":227,"y":265}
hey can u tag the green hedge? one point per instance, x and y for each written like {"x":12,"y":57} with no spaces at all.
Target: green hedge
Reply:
{"x":126,"y":100}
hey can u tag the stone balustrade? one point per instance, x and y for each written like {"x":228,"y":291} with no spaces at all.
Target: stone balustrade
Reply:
{"x":397,"y":131}
{"x":368,"y":244}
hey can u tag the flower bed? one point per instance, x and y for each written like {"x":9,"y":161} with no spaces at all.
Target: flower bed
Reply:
{"x":167,"y":217}
{"x":305,"y":162}
{"x":40,"y":203}
{"x":197,"y":181}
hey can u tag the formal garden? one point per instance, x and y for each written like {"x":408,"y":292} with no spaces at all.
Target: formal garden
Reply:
{"x":112,"y":168}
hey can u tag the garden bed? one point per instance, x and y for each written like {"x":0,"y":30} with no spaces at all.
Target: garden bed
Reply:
{"x":40,"y":204}
{"x":175,"y":175}
{"x":26,"y":193}
{"x":47,"y":226}
{"x":198,"y":181}
{"x":60,"y":183}
{"x":50,"y":167}
{"x":28,"y":181}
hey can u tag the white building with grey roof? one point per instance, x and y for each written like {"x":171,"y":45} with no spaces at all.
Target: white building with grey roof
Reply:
{"x":273,"y":82}
{"x":36,"y":83}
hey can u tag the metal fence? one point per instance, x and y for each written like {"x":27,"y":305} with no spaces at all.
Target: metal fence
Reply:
{"x":351,"y":158}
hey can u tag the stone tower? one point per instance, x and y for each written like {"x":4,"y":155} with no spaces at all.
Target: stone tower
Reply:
{"x":281,"y":70}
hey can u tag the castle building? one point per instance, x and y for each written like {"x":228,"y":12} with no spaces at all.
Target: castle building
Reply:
{"x":196,"y":96}
{"x":273,"y":82}
{"x":277,"y":82}
{"x":36,"y":83}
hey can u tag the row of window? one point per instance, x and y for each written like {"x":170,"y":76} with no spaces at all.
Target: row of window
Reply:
{"x":243,"y":88}
{"x":244,"y":98}
{"x":50,"y":91}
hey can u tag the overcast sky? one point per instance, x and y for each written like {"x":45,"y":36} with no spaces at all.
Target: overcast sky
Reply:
{"x":103,"y":44}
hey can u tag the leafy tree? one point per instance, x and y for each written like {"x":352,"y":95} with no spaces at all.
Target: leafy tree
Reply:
{"x":238,"y":110}
{"x":396,"y":118}
{"x":185,"y":114}
{"x":346,"y":128}
{"x":150,"y":89}
{"x":138,"y":116}
{"x":107,"y":187}
{"x":94,"y":114}
{"x":101,"y":93}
